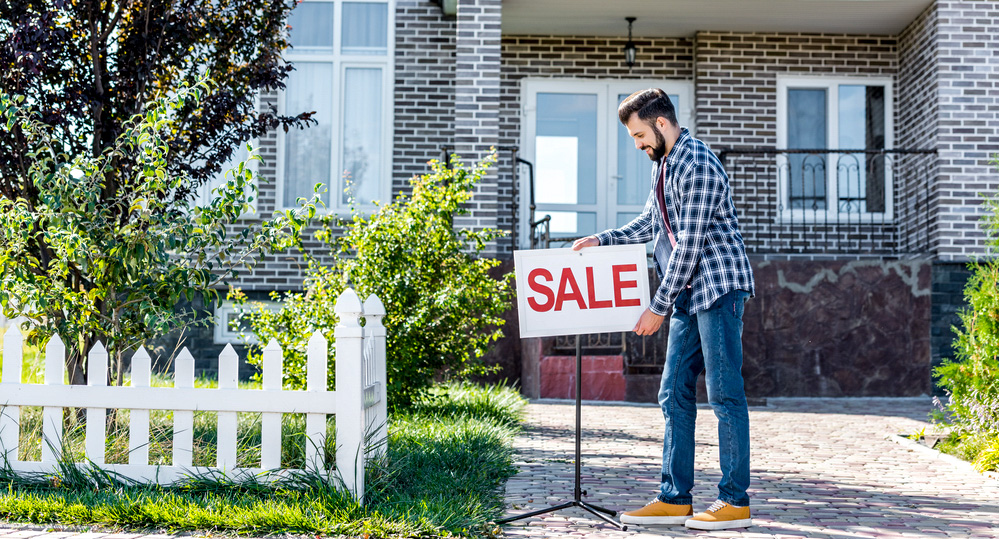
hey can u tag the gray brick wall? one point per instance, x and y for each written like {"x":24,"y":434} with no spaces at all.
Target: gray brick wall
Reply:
{"x":424,"y":88}
{"x":477,"y":103}
{"x":916,"y":127}
{"x":968,"y":129}
{"x":949,"y":280}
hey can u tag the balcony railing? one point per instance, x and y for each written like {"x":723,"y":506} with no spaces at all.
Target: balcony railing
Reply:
{"x":820,"y":202}
{"x":832,"y":202}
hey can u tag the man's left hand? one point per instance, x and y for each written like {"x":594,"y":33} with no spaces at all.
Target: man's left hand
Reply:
{"x":649,"y":323}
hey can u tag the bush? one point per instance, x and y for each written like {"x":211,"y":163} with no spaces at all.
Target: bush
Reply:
{"x":972,"y":380}
{"x":443,"y":307}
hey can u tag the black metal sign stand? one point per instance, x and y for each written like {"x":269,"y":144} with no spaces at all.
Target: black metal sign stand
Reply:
{"x":578,"y":492}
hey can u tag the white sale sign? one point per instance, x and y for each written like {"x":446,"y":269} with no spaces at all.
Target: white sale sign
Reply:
{"x":594,"y":290}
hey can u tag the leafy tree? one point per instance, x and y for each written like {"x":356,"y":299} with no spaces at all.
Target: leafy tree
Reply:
{"x":75,"y":263}
{"x":86,"y":68}
{"x":444,"y":309}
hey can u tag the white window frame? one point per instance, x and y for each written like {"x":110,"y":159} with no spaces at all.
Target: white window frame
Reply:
{"x":607,"y":91}
{"x":340,"y":63}
{"x":831,"y":85}
{"x":224,"y":334}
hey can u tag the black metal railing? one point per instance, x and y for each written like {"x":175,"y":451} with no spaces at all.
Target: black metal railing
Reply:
{"x":832,"y":202}
{"x":540,"y":234}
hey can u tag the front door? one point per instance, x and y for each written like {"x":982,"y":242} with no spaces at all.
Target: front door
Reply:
{"x":588,"y":175}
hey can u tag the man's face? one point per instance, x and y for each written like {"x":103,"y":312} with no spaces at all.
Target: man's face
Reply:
{"x":647,"y":137}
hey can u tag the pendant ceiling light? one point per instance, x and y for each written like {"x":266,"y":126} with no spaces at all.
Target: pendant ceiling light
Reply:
{"x":629,"y":47}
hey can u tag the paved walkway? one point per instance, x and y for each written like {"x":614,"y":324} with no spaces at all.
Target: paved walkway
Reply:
{"x":820,"y":468}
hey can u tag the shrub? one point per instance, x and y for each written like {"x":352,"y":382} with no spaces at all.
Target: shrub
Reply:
{"x":443,"y":307}
{"x":972,"y":380}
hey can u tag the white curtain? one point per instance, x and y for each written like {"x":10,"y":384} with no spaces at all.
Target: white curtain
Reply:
{"x":307,"y":151}
{"x":362,"y":133}
{"x":365,"y":28}
{"x":311,"y":28}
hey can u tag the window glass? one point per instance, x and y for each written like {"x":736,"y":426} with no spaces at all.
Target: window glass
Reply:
{"x":361,"y":141}
{"x":311,"y":28}
{"x":365,"y":28}
{"x":624,"y":218}
{"x":572,"y":223}
{"x":307,"y":151}
{"x":806,"y":129}
{"x":345,"y":156}
{"x":860,"y":177}
{"x":566,"y":148}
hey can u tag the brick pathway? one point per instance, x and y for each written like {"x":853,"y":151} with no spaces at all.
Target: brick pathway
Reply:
{"x":820,"y":468}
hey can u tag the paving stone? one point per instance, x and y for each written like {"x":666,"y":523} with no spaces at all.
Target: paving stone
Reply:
{"x":820,"y":468}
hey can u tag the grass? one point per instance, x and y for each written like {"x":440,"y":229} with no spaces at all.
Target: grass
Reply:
{"x":447,"y":460}
{"x":980,"y":449}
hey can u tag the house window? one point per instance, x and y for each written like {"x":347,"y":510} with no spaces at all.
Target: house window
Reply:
{"x":817,"y":115}
{"x":229,"y":328}
{"x":342,"y":54}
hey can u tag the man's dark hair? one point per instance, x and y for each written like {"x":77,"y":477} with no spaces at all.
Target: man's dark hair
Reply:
{"x":649,"y":104}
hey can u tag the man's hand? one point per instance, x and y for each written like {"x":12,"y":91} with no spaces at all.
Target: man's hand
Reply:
{"x":588,"y":241}
{"x":649,"y":323}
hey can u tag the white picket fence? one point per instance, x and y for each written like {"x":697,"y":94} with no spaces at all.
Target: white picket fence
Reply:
{"x":359,"y":403}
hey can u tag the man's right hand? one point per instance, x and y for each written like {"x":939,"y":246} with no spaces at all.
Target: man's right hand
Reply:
{"x":588,"y":241}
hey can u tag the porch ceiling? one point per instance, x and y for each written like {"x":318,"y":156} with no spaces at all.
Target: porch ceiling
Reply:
{"x":676,"y":18}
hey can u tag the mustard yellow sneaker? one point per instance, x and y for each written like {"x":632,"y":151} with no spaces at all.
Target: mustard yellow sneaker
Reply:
{"x":657,"y":512}
{"x":720,"y":516}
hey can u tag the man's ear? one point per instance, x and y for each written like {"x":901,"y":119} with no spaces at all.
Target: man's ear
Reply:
{"x":662,"y":123}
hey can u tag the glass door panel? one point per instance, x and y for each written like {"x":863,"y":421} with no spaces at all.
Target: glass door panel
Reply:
{"x":588,"y":175}
{"x":565,"y":147}
{"x":573,"y":223}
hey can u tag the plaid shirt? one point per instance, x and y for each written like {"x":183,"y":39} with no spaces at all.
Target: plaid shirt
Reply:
{"x":710,"y":256}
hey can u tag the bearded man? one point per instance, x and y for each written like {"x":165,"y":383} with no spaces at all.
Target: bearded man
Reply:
{"x":706,"y":278}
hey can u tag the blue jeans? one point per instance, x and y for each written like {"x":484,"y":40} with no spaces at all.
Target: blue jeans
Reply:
{"x":710,"y":340}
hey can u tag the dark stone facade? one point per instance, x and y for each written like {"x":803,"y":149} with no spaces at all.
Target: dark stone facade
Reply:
{"x":838,"y":329}
{"x":949,"y":280}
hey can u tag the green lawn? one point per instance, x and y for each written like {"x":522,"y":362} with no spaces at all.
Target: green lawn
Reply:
{"x":980,"y":449}
{"x":447,"y":461}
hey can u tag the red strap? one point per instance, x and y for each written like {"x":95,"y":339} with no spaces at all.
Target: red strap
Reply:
{"x":662,"y":204}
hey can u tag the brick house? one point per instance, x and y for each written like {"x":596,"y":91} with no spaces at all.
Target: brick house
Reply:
{"x":859,"y":255}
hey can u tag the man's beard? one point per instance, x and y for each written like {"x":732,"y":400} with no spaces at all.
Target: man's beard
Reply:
{"x":659,"y":150}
